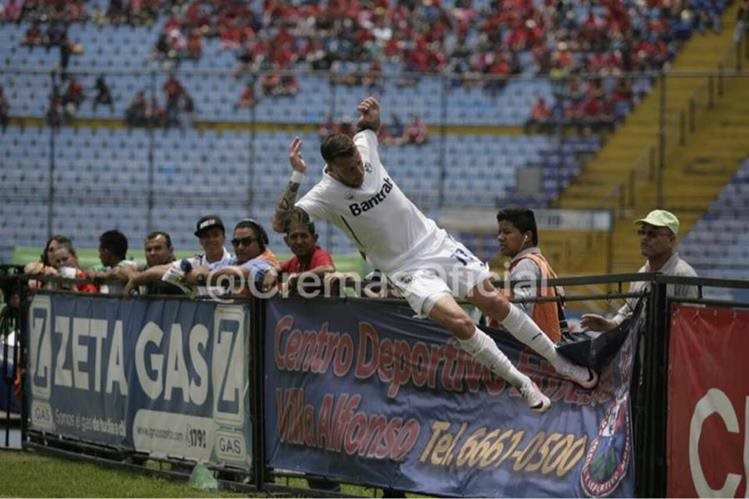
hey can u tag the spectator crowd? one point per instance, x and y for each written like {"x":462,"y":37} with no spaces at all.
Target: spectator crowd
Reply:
{"x":252,"y":266}
{"x":567,"y":40}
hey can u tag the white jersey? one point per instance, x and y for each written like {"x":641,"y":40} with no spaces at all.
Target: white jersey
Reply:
{"x":377,"y":216}
{"x":175,"y":274}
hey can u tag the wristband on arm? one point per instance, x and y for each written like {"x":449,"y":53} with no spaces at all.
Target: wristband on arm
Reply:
{"x":297,"y":177}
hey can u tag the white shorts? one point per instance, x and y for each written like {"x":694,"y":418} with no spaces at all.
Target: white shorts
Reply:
{"x":448,"y":269}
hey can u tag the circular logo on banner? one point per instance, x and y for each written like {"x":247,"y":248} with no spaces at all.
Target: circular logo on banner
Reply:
{"x":608,"y":457}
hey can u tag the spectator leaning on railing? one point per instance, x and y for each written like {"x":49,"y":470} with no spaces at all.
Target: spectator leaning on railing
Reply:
{"x":113,"y":256}
{"x":250,"y":270}
{"x":45,"y":264}
{"x":66,"y":262}
{"x":518,"y":239}
{"x":159,"y":251}
{"x":306,"y":270}
{"x":657,"y":234}
{"x":211,"y":235}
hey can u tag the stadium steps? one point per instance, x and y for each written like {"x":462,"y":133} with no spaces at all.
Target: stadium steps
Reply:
{"x":623,"y":172}
{"x":696,"y":173}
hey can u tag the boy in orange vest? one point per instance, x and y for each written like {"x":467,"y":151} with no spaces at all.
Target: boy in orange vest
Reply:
{"x":518,"y":239}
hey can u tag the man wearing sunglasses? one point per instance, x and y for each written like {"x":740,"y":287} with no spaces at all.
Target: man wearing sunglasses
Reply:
{"x":199,"y":275}
{"x":248,"y":268}
{"x":657,"y":234}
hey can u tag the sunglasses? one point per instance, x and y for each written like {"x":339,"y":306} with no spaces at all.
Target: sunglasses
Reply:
{"x":652,"y":234}
{"x":244,"y":241}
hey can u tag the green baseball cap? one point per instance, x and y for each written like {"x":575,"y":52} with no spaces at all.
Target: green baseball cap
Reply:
{"x":661,"y":218}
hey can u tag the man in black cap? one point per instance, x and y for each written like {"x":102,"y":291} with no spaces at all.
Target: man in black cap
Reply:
{"x":247,"y":271}
{"x":211,"y":234}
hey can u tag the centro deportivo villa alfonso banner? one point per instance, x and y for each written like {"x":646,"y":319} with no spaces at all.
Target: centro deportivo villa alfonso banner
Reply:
{"x":162,"y":376}
{"x":708,"y":402}
{"x":362,"y":392}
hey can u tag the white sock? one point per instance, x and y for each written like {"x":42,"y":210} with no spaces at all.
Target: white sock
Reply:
{"x":527,"y":332}
{"x":482,"y":348}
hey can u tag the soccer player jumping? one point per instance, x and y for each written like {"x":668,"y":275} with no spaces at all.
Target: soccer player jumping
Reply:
{"x":424,"y":262}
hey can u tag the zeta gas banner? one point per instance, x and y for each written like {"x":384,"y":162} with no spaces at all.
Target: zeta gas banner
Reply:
{"x":708,"y":402}
{"x":168,"y":377}
{"x":362,"y":392}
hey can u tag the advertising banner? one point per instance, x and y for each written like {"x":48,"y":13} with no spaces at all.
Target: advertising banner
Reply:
{"x":362,"y":392}
{"x":708,"y":402}
{"x":167,"y":377}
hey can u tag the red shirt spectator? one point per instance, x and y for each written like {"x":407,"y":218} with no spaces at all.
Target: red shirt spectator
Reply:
{"x":591,"y":108}
{"x":540,"y":111}
{"x":247,"y":99}
{"x":12,"y":10}
{"x":73,"y":94}
{"x":310,"y":262}
{"x":416,"y":131}
{"x":318,"y":258}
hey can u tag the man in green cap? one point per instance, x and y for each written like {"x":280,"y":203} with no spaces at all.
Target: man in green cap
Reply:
{"x":657,"y":242}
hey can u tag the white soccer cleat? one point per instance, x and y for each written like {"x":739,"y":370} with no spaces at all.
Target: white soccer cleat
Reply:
{"x":534,"y":397}
{"x":580,"y":375}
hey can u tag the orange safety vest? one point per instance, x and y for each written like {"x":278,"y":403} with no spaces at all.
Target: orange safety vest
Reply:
{"x":545,"y":314}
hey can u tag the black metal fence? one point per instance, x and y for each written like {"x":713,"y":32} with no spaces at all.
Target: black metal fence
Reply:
{"x":649,"y":390}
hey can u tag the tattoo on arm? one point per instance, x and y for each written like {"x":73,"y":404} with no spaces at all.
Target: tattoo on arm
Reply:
{"x":286,"y":209}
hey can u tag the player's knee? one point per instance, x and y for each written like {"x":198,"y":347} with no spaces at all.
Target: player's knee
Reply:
{"x":461,"y":326}
{"x":497,"y":307}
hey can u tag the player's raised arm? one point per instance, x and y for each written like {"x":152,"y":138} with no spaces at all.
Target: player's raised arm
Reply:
{"x":285,"y":207}
{"x":369,"y":115}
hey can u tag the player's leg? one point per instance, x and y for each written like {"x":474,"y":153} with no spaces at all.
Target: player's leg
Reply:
{"x":429,"y":296}
{"x":481,"y":347}
{"x":492,"y":303}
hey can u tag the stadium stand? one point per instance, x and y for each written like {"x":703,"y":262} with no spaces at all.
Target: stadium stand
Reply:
{"x":536,"y":42}
{"x":718,"y":245}
{"x":532,"y":38}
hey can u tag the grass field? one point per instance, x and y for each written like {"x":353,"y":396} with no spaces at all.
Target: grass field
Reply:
{"x":30,"y":474}
{"x":26,"y":474}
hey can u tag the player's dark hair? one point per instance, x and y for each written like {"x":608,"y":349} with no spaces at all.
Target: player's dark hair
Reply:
{"x":115,"y":242}
{"x":158,"y":233}
{"x":336,"y":146}
{"x":522,"y":218}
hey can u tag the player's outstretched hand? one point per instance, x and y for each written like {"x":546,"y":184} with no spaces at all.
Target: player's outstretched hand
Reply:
{"x":295,"y":155}
{"x":369,"y":114}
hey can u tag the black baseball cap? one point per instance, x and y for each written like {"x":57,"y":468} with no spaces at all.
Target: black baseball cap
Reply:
{"x":207,"y":222}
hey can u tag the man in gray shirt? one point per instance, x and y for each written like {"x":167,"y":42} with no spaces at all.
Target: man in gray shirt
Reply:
{"x":657,"y":242}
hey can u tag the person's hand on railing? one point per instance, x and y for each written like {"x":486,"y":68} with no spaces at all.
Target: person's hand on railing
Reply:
{"x":270,"y":279}
{"x":595,"y":322}
{"x":129,"y":288}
